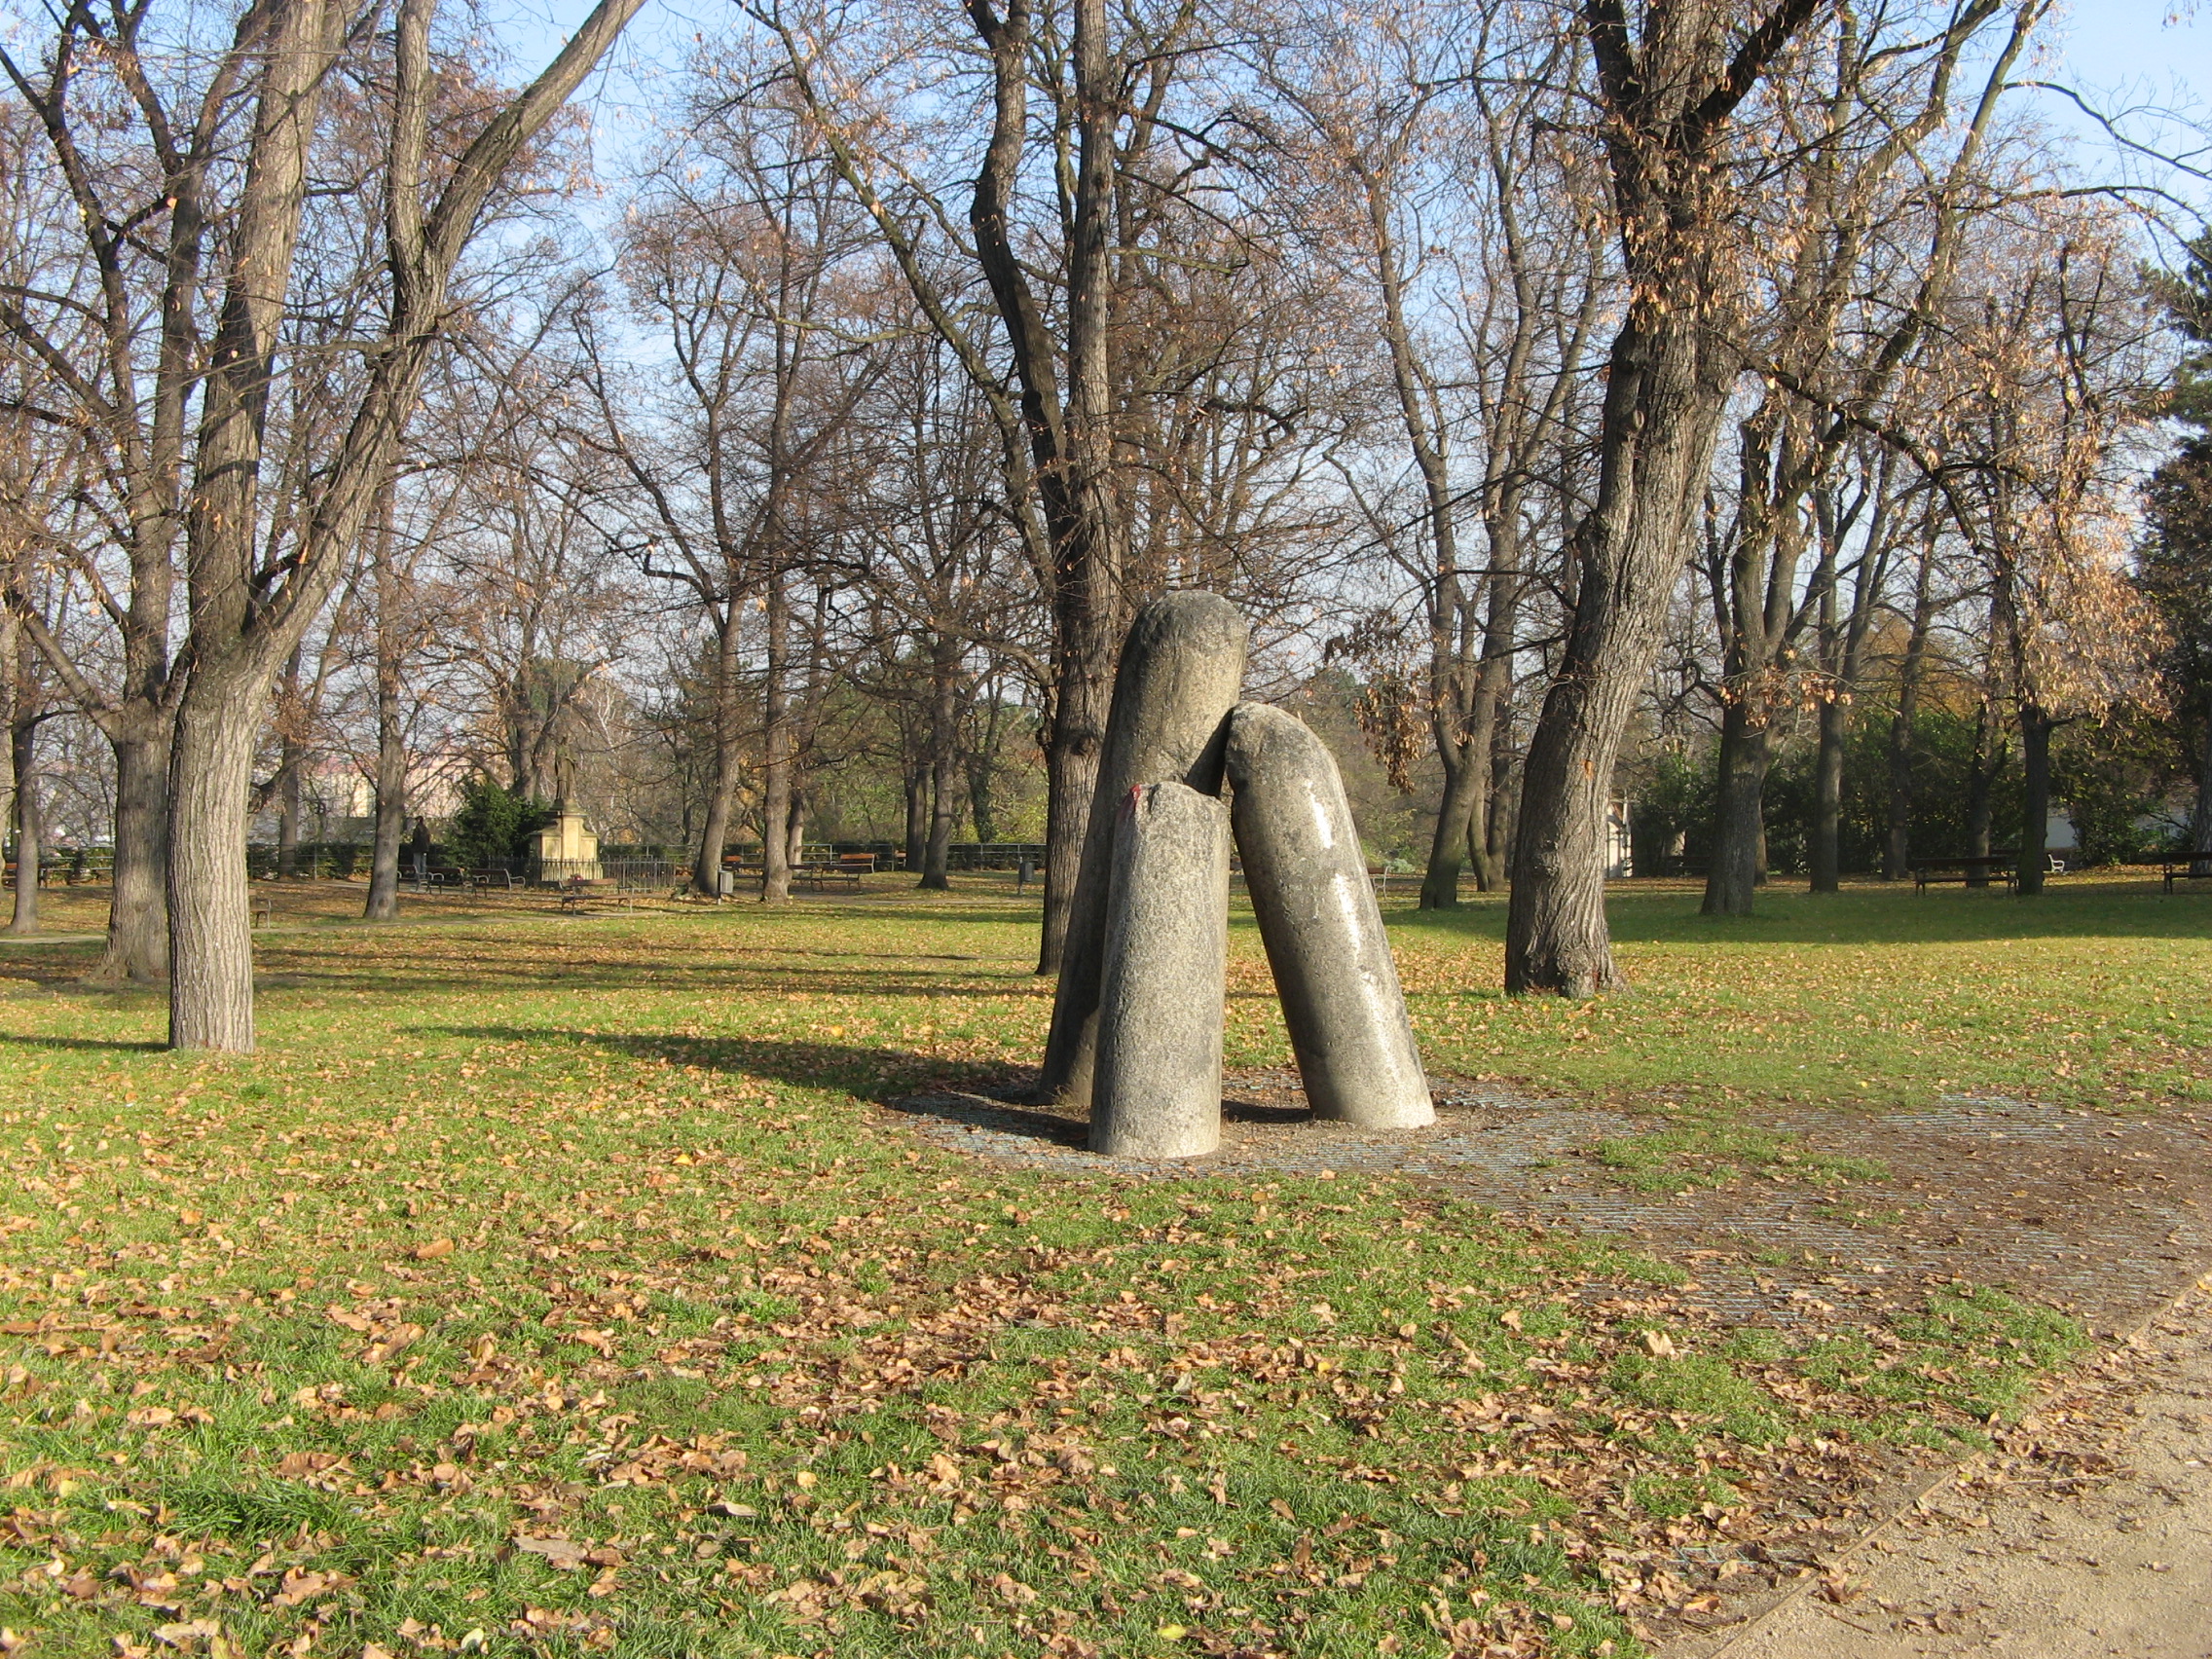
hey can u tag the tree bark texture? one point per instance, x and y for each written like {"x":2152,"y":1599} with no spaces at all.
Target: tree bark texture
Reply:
{"x":914,"y":797}
{"x":726,"y":766}
{"x":1982,"y":767}
{"x":1071,"y":436}
{"x":210,"y":923}
{"x":1668,"y":379}
{"x":391,"y":740}
{"x":137,"y":918}
{"x":1661,"y":421}
{"x":1897,"y":847}
{"x":239,"y":629}
{"x":2200,"y":820}
{"x":2035,"y":727}
{"x":391,"y":810}
{"x":776,"y":751}
{"x":945,"y":764}
{"x":291,"y":757}
{"x":31,"y":831}
{"x":1828,"y":799}
{"x":1747,"y":753}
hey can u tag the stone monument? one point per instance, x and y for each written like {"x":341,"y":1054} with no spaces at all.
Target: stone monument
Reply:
{"x":567,"y":850}
{"x":1137,"y":1017}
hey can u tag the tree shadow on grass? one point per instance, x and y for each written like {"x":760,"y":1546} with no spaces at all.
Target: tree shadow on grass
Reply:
{"x":997,"y":1095}
{"x":874,"y":974}
{"x":2125,"y":905}
{"x":122,"y":1045}
{"x":874,"y":1074}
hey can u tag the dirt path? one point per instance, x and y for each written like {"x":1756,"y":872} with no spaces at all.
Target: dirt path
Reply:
{"x":2091,"y":1535}
{"x":2103,"y":1217}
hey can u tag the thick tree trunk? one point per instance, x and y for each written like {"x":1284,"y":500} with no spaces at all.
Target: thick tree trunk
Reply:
{"x":1071,"y":438}
{"x":1828,"y":800}
{"x":776,"y":754}
{"x":1490,"y":838}
{"x":794,"y":830}
{"x":291,"y":754}
{"x":2035,"y":727}
{"x":1897,"y":848}
{"x":1982,"y":767}
{"x":391,"y":805}
{"x":30,"y":837}
{"x":1457,"y":809}
{"x":1665,"y":385}
{"x":944,"y":767}
{"x":726,"y":766}
{"x":1746,"y":751}
{"x":915,"y":794}
{"x":288,"y":813}
{"x":10,"y":662}
{"x":211,"y":771}
{"x":137,"y":917}
{"x":982,"y":763}
{"x":391,"y":748}
{"x":1071,"y":778}
{"x":1556,"y":936}
{"x":2201,"y":822}
{"x":1470,"y":767}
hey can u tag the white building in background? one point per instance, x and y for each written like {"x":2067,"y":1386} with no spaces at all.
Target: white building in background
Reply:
{"x":338,"y":795}
{"x":1620,"y":855}
{"x":434,"y":781}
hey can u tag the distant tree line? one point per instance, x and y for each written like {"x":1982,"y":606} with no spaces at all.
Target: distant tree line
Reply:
{"x":1745,"y":410}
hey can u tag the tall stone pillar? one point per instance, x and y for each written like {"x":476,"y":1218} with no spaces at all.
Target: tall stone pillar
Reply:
{"x":1156,"y":1087}
{"x":1181,"y":670}
{"x":1322,"y":928}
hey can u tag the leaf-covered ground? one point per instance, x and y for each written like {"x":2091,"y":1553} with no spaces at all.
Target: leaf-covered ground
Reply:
{"x":553,"y":1285}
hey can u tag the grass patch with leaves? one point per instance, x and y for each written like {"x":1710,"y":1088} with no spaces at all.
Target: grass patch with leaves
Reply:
{"x":555,"y":1288}
{"x":1681,"y":1158}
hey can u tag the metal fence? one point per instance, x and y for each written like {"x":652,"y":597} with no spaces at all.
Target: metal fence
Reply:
{"x":643,"y":875}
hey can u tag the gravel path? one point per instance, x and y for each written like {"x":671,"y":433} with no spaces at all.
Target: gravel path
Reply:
{"x":2102,"y":1216}
{"x":2091,"y":1536}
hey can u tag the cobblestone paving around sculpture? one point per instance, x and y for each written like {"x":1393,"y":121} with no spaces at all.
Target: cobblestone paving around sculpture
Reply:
{"x":2102,"y":1215}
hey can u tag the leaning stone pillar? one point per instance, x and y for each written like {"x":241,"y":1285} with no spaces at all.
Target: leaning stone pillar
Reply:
{"x":1156,"y":1087}
{"x":1322,"y":928}
{"x":1181,"y":672}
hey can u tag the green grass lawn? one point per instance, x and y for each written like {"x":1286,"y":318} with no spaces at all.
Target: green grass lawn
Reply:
{"x":553,"y":1285}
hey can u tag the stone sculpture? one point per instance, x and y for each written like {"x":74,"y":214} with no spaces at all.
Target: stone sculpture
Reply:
{"x":1155,"y":1090}
{"x":1137,"y":1018}
{"x":1324,"y":930}
{"x":1182,"y":670}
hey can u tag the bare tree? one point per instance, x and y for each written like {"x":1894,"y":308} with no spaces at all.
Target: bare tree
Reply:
{"x":738,"y":261}
{"x":1832,"y":328}
{"x":246,"y":618}
{"x":1671,"y":87}
{"x":1438,"y":170}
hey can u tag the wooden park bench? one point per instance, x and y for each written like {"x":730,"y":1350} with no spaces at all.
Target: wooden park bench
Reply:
{"x":2187,"y":870}
{"x":1977,"y":866}
{"x":500,"y":877}
{"x":844,"y":870}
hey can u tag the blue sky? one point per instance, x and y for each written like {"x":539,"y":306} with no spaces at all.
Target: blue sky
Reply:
{"x":2122,"y":54}
{"x":2152,"y":43}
